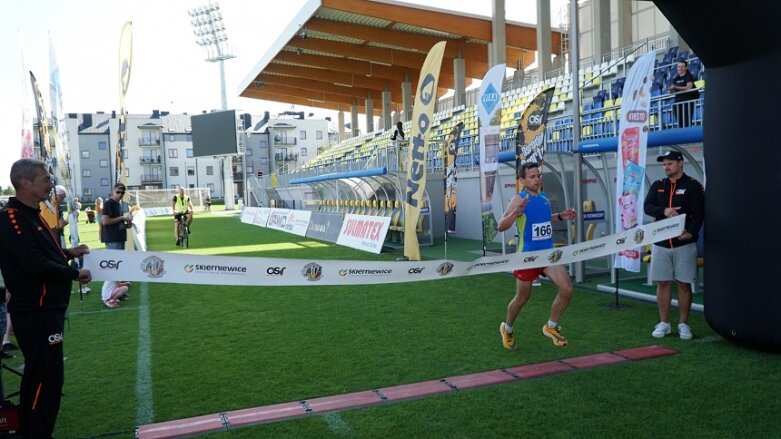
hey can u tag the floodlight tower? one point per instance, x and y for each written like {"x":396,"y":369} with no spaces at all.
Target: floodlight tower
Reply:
{"x":210,"y":34}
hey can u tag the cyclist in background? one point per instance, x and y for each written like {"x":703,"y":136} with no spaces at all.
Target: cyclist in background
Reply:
{"x":182,"y":205}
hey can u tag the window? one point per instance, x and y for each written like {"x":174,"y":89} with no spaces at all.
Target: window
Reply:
{"x":189,"y":137}
{"x":127,"y":172}
{"x":302,"y":135}
{"x":173,"y":186}
{"x":85,"y":154}
{"x":264,"y":160}
{"x":124,"y":154}
{"x":263,"y":144}
{"x":172,"y":153}
{"x":103,"y":163}
{"x":211,"y":187}
{"x":104,"y":181}
{"x":249,"y":170}
{"x":102,"y":146}
{"x":86,"y":173}
{"x":87,"y":192}
{"x":210,"y":170}
{"x":302,"y":152}
{"x":172,"y":137}
{"x":319,"y":135}
{"x":173,"y":171}
{"x":248,"y":152}
{"x":189,"y":152}
{"x":191,"y":170}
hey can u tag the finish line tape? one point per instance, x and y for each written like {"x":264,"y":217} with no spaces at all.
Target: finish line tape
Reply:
{"x":250,"y":271}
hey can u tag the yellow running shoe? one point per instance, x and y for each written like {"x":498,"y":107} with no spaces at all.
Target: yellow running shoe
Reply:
{"x":554,"y":334}
{"x":508,"y":338}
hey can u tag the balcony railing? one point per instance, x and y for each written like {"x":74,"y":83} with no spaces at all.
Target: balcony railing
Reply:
{"x":285,"y":140}
{"x":148,"y":142}
{"x":150,"y":160}
{"x":286,"y":157}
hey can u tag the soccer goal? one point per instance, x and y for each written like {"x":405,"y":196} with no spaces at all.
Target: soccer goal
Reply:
{"x":147,"y":198}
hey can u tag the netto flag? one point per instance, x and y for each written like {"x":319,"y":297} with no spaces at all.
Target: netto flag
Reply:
{"x":422,"y":119}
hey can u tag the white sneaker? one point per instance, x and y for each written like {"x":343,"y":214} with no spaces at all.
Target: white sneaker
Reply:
{"x":684,"y":331}
{"x":661,"y":329}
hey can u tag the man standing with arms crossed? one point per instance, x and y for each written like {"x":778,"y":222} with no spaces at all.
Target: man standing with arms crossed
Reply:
{"x":531,"y":212}
{"x":675,"y":259}
{"x":37,"y":274}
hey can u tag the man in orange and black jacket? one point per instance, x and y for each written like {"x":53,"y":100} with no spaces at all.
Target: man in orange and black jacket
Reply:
{"x":37,"y":274}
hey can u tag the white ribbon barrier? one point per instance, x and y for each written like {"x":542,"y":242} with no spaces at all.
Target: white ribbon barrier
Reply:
{"x":235,"y":270}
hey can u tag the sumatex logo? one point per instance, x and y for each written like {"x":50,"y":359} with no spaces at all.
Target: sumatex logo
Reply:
{"x":363,"y":229}
{"x":153,"y":266}
{"x":55,"y":338}
{"x":490,"y":99}
{"x":312,"y":272}
{"x":639,"y":116}
{"x":110,"y":264}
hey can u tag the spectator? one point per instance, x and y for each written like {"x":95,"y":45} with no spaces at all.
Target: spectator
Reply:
{"x":207,"y":203}
{"x":398,"y":133}
{"x":685,"y":94}
{"x":113,"y":292}
{"x":675,"y":259}
{"x":36,"y":271}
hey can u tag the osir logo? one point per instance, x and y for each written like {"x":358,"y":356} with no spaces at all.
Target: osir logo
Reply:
{"x":415,"y":270}
{"x":110,"y":264}
{"x":55,"y":338}
{"x":275,"y":271}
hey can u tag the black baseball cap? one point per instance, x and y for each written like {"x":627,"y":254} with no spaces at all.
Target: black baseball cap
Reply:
{"x":670,"y":155}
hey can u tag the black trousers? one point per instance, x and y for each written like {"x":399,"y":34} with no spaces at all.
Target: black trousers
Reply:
{"x":39,"y":335}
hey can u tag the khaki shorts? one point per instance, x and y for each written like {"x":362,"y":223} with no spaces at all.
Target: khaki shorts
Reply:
{"x":679,"y":263}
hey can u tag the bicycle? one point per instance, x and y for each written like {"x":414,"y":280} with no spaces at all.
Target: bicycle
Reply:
{"x":181,"y":226}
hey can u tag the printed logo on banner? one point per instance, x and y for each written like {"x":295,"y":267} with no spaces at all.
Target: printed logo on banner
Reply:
{"x":555,"y":256}
{"x":275,"y":271}
{"x":492,"y":263}
{"x":620,"y":241}
{"x":639,"y":235}
{"x":530,"y":259}
{"x":416,"y":270}
{"x":110,"y":264}
{"x":312,"y":272}
{"x":215,"y":269}
{"x":364,"y":272}
{"x":153,"y":266}
{"x":445,"y":268}
{"x":490,"y":99}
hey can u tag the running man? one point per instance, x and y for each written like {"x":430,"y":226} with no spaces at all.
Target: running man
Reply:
{"x":531,"y":212}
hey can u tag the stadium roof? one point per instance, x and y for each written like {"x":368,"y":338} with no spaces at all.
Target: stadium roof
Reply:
{"x":335,"y":53}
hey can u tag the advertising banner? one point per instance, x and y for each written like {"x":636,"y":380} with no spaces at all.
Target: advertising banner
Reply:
{"x":364,"y":232}
{"x":325,"y":226}
{"x":489,"y":109}
{"x":290,"y":221}
{"x":451,"y":178}
{"x":630,"y":166}
{"x":530,"y":135}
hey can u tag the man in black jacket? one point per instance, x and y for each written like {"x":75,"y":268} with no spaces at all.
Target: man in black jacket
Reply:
{"x":37,"y":274}
{"x":675,"y":259}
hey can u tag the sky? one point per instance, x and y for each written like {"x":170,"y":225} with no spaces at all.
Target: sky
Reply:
{"x":168,"y":71}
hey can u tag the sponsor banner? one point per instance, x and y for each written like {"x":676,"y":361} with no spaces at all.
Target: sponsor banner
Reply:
{"x":59,"y":122}
{"x":630,"y":167}
{"x":27,"y":110}
{"x":139,"y":227}
{"x":489,"y":111}
{"x":451,"y":177}
{"x":597,"y":215}
{"x":248,"y":214}
{"x":364,"y":232}
{"x":422,"y":119}
{"x":157,"y":211}
{"x":290,"y":221}
{"x":233,"y":270}
{"x":530,"y":135}
{"x":261,"y":216}
{"x":325,"y":226}
{"x":125,"y":62}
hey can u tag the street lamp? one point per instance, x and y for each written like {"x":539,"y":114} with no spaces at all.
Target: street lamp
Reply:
{"x":210,"y":34}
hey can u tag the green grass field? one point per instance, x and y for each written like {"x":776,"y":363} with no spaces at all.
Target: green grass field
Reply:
{"x":177,"y":351}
